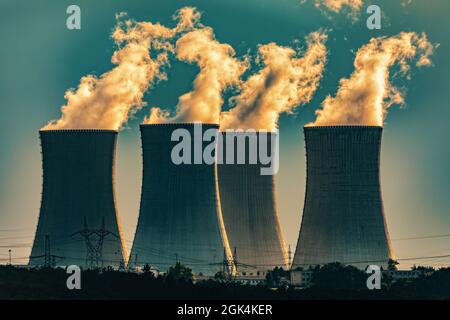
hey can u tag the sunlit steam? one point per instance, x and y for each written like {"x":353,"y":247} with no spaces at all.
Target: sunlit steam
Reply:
{"x":106,"y":102}
{"x":338,"y":5}
{"x":285,"y":82}
{"x":219,"y":69}
{"x":363,"y":99}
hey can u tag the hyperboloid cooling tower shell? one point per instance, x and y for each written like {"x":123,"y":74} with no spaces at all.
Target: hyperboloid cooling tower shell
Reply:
{"x":78,"y":196}
{"x":249,"y":205}
{"x":180,"y":217}
{"x":343,"y":217}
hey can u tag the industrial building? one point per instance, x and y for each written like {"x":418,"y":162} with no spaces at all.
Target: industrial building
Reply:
{"x":305,"y":278}
{"x":343,"y":217}
{"x":78,"y":220}
{"x":180,"y":218}
{"x":249,"y":205}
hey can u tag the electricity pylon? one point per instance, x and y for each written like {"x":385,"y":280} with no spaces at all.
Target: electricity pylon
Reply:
{"x":94,"y":249}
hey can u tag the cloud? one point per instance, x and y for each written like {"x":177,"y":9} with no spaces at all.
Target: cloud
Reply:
{"x":106,"y":102}
{"x":219,"y":69}
{"x":285,"y":82}
{"x":350,"y":7}
{"x":363,"y":99}
{"x":338,"y":5}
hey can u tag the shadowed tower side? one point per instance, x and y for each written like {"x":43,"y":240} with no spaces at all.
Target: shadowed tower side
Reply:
{"x":180,"y":217}
{"x":343,"y":217}
{"x":78,"y":221}
{"x":249,"y":205}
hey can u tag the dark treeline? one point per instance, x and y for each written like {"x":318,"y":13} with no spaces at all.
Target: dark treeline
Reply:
{"x":332,"y":281}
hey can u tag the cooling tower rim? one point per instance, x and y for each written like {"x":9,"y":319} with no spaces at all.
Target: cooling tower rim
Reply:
{"x":67,"y":131}
{"x":307,"y":127}
{"x":272,"y":133}
{"x":175,"y":124}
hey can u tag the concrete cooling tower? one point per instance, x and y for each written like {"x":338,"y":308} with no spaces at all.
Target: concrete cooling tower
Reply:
{"x":78,"y":221}
{"x":343,"y":218}
{"x":180,"y":217}
{"x":249,"y":206}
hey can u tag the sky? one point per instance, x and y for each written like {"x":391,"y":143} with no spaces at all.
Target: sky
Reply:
{"x":40,"y":59}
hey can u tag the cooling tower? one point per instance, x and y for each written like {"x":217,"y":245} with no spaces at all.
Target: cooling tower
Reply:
{"x":249,"y":207}
{"x":343,"y":217}
{"x":78,"y":221}
{"x":180,"y":217}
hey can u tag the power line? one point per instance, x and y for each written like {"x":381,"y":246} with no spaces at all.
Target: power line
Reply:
{"x":49,"y":259}
{"x":422,"y":258}
{"x":94,"y":250}
{"x":423,"y":237}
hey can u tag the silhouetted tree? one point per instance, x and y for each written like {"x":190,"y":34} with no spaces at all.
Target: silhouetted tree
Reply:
{"x":146,"y":268}
{"x":221,"y":277}
{"x":392,"y":265}
{"x":330,"y":282}
{"x":180,"y":273}
{"x":423,"y":270}
{"x":335,"y":276}
{"x":273,"y":278}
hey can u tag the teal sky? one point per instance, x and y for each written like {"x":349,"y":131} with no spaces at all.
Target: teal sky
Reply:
{"x":40,"y":59}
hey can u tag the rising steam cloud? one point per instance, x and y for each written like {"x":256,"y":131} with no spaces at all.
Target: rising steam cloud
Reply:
{"x":107,"y":101}
{"x":219,"y":69}
{"x":363,"y":99}
{"x":351,"y":7}
{"x":338,"y":5}
{"x":285,"y":82}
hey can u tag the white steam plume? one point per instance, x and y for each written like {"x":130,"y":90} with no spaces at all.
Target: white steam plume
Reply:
{"x":285,"y":82}
{"x":363,"y":99}
{"x":219,"y":69}
{"x":338,"y":5}
{"x":107,"y":101}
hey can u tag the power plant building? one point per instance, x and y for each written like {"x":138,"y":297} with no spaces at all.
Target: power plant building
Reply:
{"x":249,"y":203}
{"x":180,"y":218}
{"x":78,"y":221}
{"x":343,"y":217}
